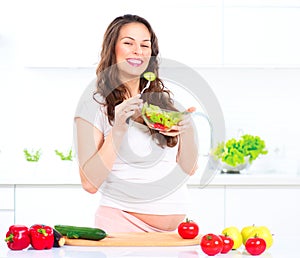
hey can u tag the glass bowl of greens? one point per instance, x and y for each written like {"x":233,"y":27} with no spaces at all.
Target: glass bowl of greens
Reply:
{"x":238,"y":154}
{"x":160,"y":119}
{"x":225,"y":168}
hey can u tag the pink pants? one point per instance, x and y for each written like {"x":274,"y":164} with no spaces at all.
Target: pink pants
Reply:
{"x":114,"y":220}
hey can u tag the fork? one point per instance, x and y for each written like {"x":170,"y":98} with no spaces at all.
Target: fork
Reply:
{"x":146,"y":87}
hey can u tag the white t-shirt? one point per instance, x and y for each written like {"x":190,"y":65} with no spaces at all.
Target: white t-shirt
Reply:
{"x":145,"y":178}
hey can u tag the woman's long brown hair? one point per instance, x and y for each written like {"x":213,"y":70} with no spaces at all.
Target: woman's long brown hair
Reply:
{"x":115,"y":92}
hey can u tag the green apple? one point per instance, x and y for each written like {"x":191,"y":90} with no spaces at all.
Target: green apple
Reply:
{"x":235,"y":234}
{"x":264,"y":233}
{"x":246,"y":231}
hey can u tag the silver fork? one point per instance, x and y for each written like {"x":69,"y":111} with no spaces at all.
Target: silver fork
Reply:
{"x":146,"y":87}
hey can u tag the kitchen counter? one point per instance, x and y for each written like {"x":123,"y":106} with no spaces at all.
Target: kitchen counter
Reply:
{"x":51,"y":172}
{"x":70,"y":176}
{"x":283,"y":247}
{"x":250,"y":179}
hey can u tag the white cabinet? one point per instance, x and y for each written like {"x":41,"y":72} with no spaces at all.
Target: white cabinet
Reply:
{"x":6,"y":208}
{"x":6,"y":197}
{"x":207,"y":208}
{"x":51,"y":205}
{"x":275,"y":207}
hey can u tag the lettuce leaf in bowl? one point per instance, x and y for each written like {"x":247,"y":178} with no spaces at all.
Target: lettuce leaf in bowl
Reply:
{"x":160,"y":118}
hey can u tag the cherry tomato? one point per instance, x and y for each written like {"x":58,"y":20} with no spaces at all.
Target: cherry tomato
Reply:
{"x":227,"y":244}
{"x":188,"y":229}
{"x":159,"y":126}
{"x":211,"y":244}
{"x":255,"y":245}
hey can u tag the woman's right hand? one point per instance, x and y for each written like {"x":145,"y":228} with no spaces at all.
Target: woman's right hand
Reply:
{"x":126,"y":110}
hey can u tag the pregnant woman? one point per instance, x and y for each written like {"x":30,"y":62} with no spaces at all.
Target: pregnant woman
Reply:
{"x":140,"y":172}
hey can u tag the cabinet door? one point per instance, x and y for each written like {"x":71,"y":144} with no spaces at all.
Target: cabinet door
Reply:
{"x":52,"y":205}
{"x":7,"y":197}
{"x":207,"y":208}
{"x":275,"y":207}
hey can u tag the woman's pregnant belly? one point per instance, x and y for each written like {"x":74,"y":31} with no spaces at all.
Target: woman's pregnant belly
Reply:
{"x":163,"y":222}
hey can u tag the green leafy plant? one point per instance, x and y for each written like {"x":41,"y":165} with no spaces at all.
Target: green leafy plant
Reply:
{"x":68,"y":156}
{"x":32,"y":156}
{"x":234,"y":152}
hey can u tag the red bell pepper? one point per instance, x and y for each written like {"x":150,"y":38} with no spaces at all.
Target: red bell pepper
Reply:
{"x":42,"y":237}
{"x":17,"y":237}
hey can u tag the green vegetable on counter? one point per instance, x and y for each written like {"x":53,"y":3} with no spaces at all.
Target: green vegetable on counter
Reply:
{"x":68,"y":156}
{"x":234,"y":151}
{"x":81,"y":232}
{"x":32,"y":156}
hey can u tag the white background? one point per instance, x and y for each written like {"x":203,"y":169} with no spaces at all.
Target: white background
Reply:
{"x":248,"y":51}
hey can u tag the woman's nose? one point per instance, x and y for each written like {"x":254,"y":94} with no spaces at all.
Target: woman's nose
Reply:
{"x":137,"y":50}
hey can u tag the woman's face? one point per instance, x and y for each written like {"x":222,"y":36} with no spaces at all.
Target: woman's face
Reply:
{"x":133,"y":50}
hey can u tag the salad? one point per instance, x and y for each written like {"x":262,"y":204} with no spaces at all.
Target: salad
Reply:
{"x":160,"y":119}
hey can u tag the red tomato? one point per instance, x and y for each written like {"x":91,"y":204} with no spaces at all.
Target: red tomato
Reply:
{"x":159,"y":126}
{"x":227,"y":244}
{"x":255,"y":245}
{"x":211,"y":244}
{"x":188,"y":229}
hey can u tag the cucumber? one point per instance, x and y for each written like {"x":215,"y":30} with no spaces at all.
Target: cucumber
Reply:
{"x":81,"y":232}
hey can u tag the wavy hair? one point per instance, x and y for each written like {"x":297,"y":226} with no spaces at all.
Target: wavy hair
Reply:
{"x":115,"y":92}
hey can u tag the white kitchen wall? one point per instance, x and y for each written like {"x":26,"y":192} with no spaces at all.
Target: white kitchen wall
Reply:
{"x":246,"y":50}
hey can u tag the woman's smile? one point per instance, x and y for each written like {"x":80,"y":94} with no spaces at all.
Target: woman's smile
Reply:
{"x":136,"y":62}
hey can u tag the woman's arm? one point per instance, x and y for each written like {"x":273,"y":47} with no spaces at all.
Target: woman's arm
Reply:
{"x":188,"y":151}
{"x":96,"y":154}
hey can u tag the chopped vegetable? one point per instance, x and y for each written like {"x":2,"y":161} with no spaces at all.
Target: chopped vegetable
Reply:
{"x":149,"y":76}
{"x":160,"y":118}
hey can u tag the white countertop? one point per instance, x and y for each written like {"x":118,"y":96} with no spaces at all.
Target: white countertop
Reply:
{"x":69,"y":175}
{"x":51,"y":172}
{"x":250,"y":179}
{"x":283,"y":247}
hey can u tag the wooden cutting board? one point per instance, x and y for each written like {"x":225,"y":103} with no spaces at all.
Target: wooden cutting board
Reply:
{"x":137,"y":239}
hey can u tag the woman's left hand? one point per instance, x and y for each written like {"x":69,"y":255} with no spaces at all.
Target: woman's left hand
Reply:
{"x":184,"y":125}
